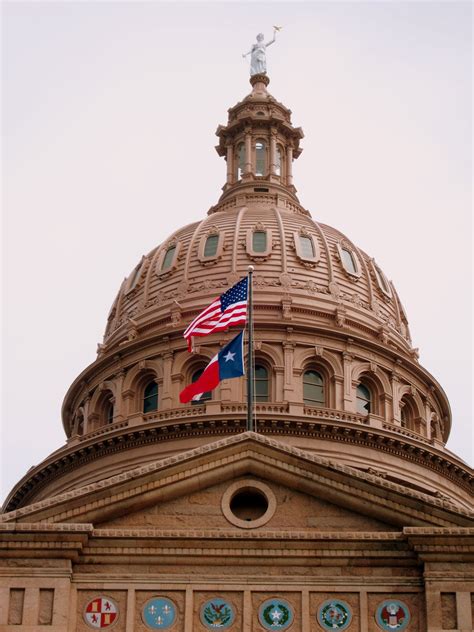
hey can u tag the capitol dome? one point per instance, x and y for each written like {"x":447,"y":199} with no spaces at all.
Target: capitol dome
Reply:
{"x":335,"y":370}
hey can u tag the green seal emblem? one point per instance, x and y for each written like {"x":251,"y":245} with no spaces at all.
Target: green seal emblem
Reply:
{"x":217,"y":613}
{"x":334,"y":614}
{"x":275,"y":614}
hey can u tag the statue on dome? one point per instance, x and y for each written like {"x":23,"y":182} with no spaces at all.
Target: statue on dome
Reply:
{"x":258,"y":59}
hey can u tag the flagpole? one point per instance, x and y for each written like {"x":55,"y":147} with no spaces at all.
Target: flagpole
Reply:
{"x":250,"y":368}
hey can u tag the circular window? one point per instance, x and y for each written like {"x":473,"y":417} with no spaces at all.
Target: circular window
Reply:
{"x":248,"y":504}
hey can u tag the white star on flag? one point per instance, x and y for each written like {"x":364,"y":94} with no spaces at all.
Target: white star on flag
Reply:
{"x":229,"y":356}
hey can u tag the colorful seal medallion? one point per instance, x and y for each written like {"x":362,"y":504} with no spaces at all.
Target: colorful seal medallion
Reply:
{"x":159,"y":613}
{"x":217,"y":613}
{"x":101,"y":613}
{"x":392,"y":615}
{"x":275,"y":614}
{"x":334,"y":614}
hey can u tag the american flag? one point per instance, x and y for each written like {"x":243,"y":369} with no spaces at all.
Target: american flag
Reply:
{"x":227,"y":310}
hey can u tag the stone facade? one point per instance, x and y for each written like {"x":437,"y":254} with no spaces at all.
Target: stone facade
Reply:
{"x":342,"y":511}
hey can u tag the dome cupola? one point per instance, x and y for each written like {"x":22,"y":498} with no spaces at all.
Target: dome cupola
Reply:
{"x":259,"y":143}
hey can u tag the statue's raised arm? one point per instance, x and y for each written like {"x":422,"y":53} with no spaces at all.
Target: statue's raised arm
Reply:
{"x":258,"y":58}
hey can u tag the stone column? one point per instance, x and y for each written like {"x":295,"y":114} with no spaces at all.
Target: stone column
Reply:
{"x":128,"y":398}
{"x":167,"y":396}
{"x":427,"y":417}
{"x":248,"y":153}
{"x":85,"y":406}
{"x":288,"y":387}
{"x":337,"y":400}
{"x":118,"y":403}
{"x":289,"y":165}
{"x":176,"y":379}
{"x":230,"y":164}
{"x":396,"y":398}
{"x":273,"y":152}
{"x":349,"y":403}
{"x":279,"y":372}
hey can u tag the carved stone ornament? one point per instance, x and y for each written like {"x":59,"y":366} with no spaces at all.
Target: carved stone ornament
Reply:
{"x":285,"y":280}
{"x":232,"y":278}
{"x":286,"y":307}
{"x":335,"y":290}
{"x":340,"y":316}
{"x":175,"y":313}
{"x":182,"y":289}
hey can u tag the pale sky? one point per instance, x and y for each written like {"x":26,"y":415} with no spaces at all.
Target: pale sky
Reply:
{"x":109,"y":118}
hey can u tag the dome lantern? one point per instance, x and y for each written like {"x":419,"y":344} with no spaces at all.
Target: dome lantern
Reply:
{"x":259,"y":143}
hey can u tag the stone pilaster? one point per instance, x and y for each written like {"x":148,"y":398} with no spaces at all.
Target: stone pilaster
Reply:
{"x":167,"y":396}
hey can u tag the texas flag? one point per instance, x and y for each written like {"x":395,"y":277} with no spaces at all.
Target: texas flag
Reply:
{"x":228,"y":363}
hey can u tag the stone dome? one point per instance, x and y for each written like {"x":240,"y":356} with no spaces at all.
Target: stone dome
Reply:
{"x":323,"y":310}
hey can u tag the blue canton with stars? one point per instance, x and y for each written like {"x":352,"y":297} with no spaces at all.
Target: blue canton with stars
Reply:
{"x":231,"y":358}
{"x":236,"y":294}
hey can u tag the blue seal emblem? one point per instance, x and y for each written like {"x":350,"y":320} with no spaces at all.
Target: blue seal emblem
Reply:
{"x":392,"y":615}
{"x":217,"y":614}
{"x":275,"y":614}
{"x":334,"y":614}
{"x":159,"y":613}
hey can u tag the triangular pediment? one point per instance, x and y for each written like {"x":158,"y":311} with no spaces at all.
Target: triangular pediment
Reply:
{"x":210,"y":508}
{"x":147,"y":489}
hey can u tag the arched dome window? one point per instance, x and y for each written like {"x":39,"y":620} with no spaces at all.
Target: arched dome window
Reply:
{"x":313,"y":388}
{"x":210,"y":248}
{"x":407,"y":412}
{"x":150,"y":397}
{"x":240,"y":161}
{"x":260,"y":158}
{"x":109,"y":412}
{"x":259,"y":241}
{"x":205,"y":396}
{"x":168,"y":258}
{"x":363,"y":399}
{"x":262,"y":386}
{"x":78,"y":425}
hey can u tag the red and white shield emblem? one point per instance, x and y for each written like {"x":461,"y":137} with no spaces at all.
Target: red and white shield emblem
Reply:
{"x":101,"y":612}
